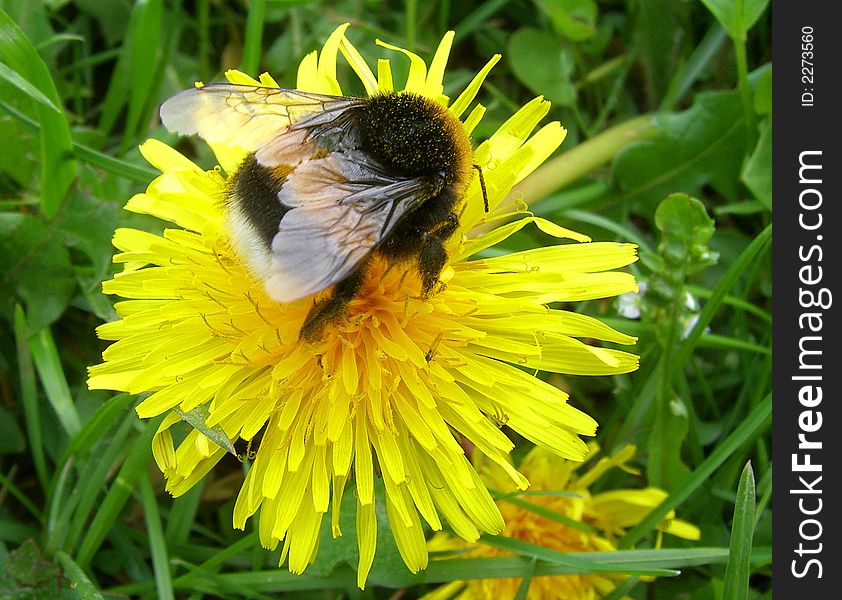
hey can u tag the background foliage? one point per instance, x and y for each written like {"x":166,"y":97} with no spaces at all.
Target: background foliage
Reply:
{"x":668,"y":106}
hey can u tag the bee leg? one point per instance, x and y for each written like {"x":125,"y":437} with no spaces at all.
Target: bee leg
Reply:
{"x":330,"y":309}
{"x":433,"y":256}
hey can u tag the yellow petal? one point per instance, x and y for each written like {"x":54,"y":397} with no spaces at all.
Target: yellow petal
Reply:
{"x":417,"y":69}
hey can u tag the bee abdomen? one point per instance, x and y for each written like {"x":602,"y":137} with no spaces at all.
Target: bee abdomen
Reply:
{"x":253,"y":194}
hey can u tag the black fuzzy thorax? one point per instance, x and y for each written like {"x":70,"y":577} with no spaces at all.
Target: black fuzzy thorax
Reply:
{"x":412,"y":136}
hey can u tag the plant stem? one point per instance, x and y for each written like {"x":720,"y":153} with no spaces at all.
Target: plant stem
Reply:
{"x":581,"y":160}
{"x":742,"y":77}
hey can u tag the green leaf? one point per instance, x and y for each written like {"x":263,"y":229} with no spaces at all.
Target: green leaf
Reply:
{"x":196,"y":419}
{"x":571,"y":19}
{"x":763,"y":92}
{"x":388,"y":568}
{"x":737,"y":570}
{"x":685,"y":230}
{"x":35,"y":267}
{"x":88,"y":223}
{"x":343,"y":549}
{"x":736,"y":16}
{"x":27,"y":569}
{"x":702,"y":145}
{"x":539,"y":61}
{"x":58,"y":167}
{"x":757,"y":174}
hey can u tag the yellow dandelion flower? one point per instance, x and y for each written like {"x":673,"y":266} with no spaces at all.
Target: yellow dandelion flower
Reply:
{"x":604,"y":518}
{"x":390,"y":385}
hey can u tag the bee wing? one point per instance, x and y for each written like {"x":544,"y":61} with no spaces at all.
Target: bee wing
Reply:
{"x":242,"y":115}
{"x":341,"y":210}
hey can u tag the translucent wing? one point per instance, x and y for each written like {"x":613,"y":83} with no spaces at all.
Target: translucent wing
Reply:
{"x":342,"y":208}
{"x":342,"y":204}
{"x":245,"y":116}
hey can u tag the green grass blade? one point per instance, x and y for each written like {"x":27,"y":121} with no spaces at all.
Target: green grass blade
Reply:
{"x":145,"y":43}
{"x":157,"y":543}
{"x":475,"y":20}
{"x":737,"y":570}
{"x":29,"y":397}
{"x":219,"y":558}
{"x":27,"y":88}
{"x":570,"y":560}
{"x":121,"y":488}
{"x":74,"y":516}
{"x":732,"y":301}
{"x":6,"y":485}
{"x":183,"y":514}
{"x":121,"y":89}
{"x":216,"y":584}
{"x":518,"y":499}
{"x":526,"y":581}
{"x":447,"y":570}
{"x":624,"y":233}
{"x":68,"y":512}
{"x":253,"y":45}
{"x":735,"y":271}
{"x":711,"y":340}
{"x":619,"y":592}
{"x":705,"y":52}
{"x":96,"y":426}
{"x":115,"y":166}
{"x":84,"y":587}
{"x":58,"y":167}
{"x":48,"y":365}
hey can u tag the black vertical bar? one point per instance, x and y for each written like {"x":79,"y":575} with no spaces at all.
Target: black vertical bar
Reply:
{"x":807,"y":63}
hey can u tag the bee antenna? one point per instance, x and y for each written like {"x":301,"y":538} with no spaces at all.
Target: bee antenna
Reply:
{"x":482,"y":186}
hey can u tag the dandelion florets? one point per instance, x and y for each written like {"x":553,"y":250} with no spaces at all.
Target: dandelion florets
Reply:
{"x":393,"y":383}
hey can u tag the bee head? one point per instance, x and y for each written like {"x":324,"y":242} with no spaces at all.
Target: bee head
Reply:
{"x":415,"y":136}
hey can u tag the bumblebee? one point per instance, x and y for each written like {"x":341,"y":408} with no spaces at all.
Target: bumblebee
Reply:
{"x":330,"y":182}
